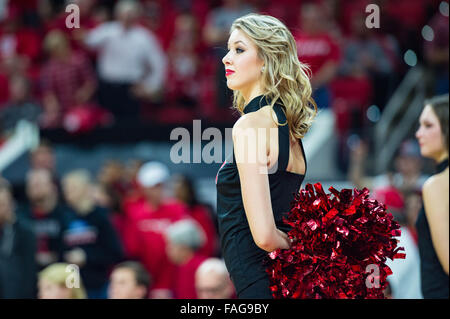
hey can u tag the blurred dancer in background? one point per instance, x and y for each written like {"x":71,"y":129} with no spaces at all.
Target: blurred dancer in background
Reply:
{"x":433,"y":221}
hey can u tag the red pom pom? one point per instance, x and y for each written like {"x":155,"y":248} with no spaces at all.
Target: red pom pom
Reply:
{"x":341,"y":244}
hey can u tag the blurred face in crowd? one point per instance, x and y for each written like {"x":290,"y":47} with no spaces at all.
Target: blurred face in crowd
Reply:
{"x":213,"y":285}
{"x":18,"y":89}
{"x":40,"y":186}
{"x":311,"y":18}
{"x":429,"y":135}
{"x":6,"y":206}
{"x":43,"y":157}
{"x":110,"y":173}
{"x":180,"y":189}
{"x":408,"y":165}
{"x":176,"y":253}
{"x":75,"y":190}
{"x":51,"y":290}
{"x":154,"y":194}
{"x":243,"y":62}
{"x":123,"y":285}
{"x":127,"y":13}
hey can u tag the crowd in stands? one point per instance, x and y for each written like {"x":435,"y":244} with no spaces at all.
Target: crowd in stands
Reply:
{"x":134,"y":230}
{"x":160,"y":61}
{"x":137,"y":219}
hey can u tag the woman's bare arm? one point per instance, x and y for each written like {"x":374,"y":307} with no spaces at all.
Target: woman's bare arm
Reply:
{"x":435,"y":198}
{"x":251,"y":158}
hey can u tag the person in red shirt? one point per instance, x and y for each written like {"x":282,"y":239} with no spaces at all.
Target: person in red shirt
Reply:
{"x":318,"y":50}
{"x":185,"y":192}
{"x":149,"y":215}
{"x":184,"y":239}
{"x":67,"y":78}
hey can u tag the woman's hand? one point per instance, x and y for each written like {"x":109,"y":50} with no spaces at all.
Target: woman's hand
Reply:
{"x":285,"y":241}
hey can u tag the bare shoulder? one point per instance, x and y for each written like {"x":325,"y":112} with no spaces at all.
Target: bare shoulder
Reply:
{"x":437,"y":182}
{"x":254,"y":120}
{"x":436,"y":187}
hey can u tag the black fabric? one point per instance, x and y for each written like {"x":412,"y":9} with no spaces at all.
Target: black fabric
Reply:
{"x":244,"y":259}
{"x":94,"y":233}
{"x":17,"y":261}
{"x":47,"y":229}
{"x":434,"y":280}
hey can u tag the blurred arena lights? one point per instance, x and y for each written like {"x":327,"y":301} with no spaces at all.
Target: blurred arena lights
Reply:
{"x":373,"y":113}
{"x":410,"y":58}
{"x":443,"y":8}
{"x":428,"y":33}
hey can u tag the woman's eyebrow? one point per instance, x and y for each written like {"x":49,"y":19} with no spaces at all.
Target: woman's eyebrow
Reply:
{"x":235,"y":42}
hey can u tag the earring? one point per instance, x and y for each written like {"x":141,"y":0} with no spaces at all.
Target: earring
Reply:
{"x":262,"y":69}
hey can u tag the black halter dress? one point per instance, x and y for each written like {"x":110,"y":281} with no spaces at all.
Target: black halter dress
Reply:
{"x":243,"y":258}
{"x":434,"y":280}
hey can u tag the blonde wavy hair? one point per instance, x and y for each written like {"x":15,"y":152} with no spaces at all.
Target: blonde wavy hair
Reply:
{"x":56,"y":273}
{"x":284,"y":77}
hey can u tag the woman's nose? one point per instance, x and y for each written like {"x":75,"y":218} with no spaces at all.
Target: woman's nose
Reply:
{"x":226,"y":59}
{"x":418,"y":133}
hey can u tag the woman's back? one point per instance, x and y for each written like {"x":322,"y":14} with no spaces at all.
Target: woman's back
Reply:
{"x":434,"y":278}
{"x":244,"y":259}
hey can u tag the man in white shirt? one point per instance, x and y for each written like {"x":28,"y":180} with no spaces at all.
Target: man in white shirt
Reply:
{"x":131,"y":63}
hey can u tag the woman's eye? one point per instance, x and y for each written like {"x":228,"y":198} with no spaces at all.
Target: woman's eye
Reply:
{"x":238,"y":50}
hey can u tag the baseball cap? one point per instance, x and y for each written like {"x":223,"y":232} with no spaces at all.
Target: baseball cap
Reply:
{"x":153,"y":173}
{"x":186,"y":232}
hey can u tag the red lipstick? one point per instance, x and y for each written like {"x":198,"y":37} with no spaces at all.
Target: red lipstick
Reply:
{"x":228,"y":72}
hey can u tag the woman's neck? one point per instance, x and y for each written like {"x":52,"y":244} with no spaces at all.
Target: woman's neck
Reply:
{"x":251,"y":93}
{"x":441,"y":157}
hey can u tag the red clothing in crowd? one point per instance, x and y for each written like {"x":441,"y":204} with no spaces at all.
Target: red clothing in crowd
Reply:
{"x":64,"y":78}
{"x":144,"y":237}
{"x":202,"y":216}
{"x":316,"y":50}
{"x":184,"y":283}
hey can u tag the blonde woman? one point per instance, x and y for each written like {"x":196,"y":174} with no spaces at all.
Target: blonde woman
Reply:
{"x":256,"y":183}
{"x":60,"y":281}
{"x":433,"y":222}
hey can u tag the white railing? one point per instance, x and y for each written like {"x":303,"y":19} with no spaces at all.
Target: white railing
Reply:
{"x":24,"y":138}
{"x":398,"y":117}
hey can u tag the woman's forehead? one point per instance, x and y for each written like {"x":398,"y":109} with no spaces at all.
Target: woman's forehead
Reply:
{"x":238,"y":36}
{"x":428,"y":114}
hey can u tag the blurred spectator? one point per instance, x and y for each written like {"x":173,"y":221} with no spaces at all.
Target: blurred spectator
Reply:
{"x":67,"y":80}
{"x":318,"y":50}
{"x":185,"y":192}
{"x":364,"y":57}
{"x":43,"y":157}
{"x":407,"y":165}
{"x":17,"y":250}
{"x":131,"y":63}
{"x":53,"y":283}
{"x":413,"y":205}
{"x":212,"y":280}
{"x":20,"y":105}
{"x":129,"y":280}
{"x":184,"y":238}
{"x":148,"y":217}
{"x":182,"y":91}
{"x":89,"y":238}
{"x":46,"y":215}
{"x":405,"y":280}
{"x":215,"y":34}
{"x":19,"y":45}
{"x":437,"y":53}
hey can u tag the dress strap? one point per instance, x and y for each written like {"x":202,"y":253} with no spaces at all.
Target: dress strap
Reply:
{"x":283,"y":138}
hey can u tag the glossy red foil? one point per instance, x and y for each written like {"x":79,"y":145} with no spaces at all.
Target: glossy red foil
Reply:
{"x":342,"y":241}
